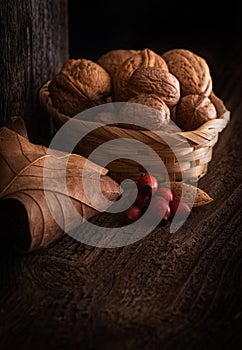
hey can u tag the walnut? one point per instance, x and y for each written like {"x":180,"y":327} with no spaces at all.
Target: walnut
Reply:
{"x":157,"y":81}
{"x":191,"y":70}
{"x":144,"y":58}
{"x":157,"y":116}
{"x":80,"y":84}
{"x":193,"y":111}
{"x":112,"y":60}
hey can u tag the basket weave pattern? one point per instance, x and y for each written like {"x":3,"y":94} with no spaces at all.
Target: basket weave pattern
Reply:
{"x":193,"y":160}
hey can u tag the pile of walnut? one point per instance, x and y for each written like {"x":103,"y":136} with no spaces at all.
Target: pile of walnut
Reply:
{"x":177,"y":84}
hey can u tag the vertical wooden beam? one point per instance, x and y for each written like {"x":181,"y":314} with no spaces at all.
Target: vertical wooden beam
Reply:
{"x":33,"y":47}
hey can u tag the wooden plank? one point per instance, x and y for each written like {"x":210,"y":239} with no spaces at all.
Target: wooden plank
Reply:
{"x":166,"y":291}
{"x":33,"y":46}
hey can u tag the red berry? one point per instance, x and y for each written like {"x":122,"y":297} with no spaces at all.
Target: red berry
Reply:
{"x":147,"y":184}
{"x":183,"y":207}
{"x":167,"y":214}
{"x":133,"y":213}
{"x":159,"y":208}
{"x":165,"y":193}
{"x":139,"y":201}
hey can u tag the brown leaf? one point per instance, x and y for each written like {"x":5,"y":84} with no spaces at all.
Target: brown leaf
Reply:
{"x":18,"y":125}
{"x":201,"y":197}
{"x":21,"y":172}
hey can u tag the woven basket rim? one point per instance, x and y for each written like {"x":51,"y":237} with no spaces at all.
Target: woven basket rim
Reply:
{"x":202,"y":135}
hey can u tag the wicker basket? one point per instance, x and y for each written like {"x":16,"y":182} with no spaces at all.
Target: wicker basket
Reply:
{"x":193,"y":160}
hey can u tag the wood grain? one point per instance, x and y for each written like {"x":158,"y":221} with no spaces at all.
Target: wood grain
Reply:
{"x":180,"y":291}
{"x":34,"y":45}
{"x":164,"y":292}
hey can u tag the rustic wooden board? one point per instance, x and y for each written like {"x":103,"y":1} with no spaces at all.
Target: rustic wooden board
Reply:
{"x":167,"y":291}
{"x":34,"y":45}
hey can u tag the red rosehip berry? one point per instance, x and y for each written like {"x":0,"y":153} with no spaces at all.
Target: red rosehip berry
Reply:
{"x":133,"y":213}
{"x":159,"y":208}
{"x":184,"y":208}
{"x":165,"y":193}
{"x":147,"y":184}
{"x":140,"y":200}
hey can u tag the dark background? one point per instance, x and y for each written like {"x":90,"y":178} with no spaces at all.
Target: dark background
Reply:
{"x":159,"y":25}
{"x":72,"y":296}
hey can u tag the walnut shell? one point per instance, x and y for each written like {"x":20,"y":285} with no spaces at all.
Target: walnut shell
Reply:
{"x":144,"y":58}
{"x":80,"y":84}
{"x":193,"y":111}
{"x":157,"y":116}
{"x":112,"y":60}
{"x":157,"y":81}
{"x":191,"y":70}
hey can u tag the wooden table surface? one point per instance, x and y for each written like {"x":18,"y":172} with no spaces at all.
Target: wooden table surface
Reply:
{"x":166,"y":291}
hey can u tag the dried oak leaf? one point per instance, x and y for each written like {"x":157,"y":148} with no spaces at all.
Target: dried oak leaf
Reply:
{"x":21,"y":172}
{"x":188,"y":191}
{"x":17,"y":123}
